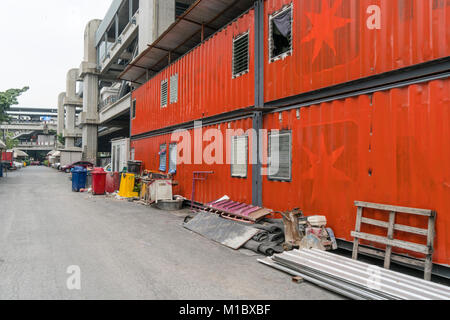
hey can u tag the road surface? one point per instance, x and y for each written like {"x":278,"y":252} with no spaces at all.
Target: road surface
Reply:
{"x":117,"y":250}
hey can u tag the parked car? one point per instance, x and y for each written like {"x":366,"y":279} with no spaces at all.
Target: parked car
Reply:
{"x":84,"y":164}
{"x":35,"y":163}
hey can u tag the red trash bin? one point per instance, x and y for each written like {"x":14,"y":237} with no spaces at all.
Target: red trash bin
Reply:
{"x":98,"y":181}
{"x":112,"y":182}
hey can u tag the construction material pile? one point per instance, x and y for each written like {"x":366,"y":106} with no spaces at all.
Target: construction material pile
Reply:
{"x":355,"y":279}
{"x":269,"y":240}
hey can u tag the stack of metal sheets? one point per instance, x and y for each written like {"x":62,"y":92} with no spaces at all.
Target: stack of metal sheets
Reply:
{"x":355,"y":279}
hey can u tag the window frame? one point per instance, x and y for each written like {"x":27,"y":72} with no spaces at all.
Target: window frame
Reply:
{"x":271,"y":17}
{"x":234,"y":140}
{"x":280,"y":133}
{"x":164,"y":82}
{"x":171,"y":145}
{"x":235,"y":39}
{"x":160,"y":157}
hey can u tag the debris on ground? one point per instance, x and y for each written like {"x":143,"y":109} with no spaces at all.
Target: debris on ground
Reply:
{"x":354,"y":279}
{"x":228,"y":233}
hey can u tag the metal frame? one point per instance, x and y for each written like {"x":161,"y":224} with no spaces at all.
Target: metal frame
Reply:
{"x":280,"y":133}
{"x":160,"y":154}
{"x":170,"y":156}
{"x":271,"y":16}
{"x":239,"y":74}
{"x":234,"y":139}
{"x":171,"y":88}
{"x":164,"y":82}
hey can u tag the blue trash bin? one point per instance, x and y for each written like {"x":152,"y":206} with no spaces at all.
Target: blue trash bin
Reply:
{"x":79,"y":175}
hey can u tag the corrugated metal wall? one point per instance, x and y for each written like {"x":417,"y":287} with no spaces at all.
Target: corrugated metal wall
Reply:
{"x":332,"y":43}
{"x":217,"y":185}
{"x":205,"y":84}
{"x":391,"y":148}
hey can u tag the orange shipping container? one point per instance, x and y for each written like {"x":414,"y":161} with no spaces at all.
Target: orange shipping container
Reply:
{"x":205,"y":83}
{"x":336,"y":41}
{"x":392,"y":147}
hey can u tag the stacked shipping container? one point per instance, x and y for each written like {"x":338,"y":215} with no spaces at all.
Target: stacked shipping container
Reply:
{"x":387,"y":146}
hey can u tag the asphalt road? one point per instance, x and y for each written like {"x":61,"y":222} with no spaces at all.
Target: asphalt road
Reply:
{"x":123,"y":250}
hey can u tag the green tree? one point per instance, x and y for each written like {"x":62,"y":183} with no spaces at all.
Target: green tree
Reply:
{"x":7,"y":99}
{"x":10,"y":142}
{"x":61,"y":139}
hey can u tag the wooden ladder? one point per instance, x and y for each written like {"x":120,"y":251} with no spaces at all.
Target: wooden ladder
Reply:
{"x":390,"y":242}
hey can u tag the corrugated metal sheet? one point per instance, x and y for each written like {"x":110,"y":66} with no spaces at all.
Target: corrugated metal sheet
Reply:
{"x":391,"y":148}
{"x":217,"y":185}
{"x":205,"y":83}
{"x":332,"y":43}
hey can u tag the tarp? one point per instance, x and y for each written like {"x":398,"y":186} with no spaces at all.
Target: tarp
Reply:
{"x":20,"y":154}
{"x":54,"y":153}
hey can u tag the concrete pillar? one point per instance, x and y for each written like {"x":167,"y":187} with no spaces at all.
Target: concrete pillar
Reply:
{"x":89,"y":74}
{"x":90,"y":117}
{"x":61,"y":113}
{"x":71,"y":102}
{"x":155,"y":16}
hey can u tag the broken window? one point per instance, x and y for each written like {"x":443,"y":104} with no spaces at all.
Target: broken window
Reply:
{"x":173,"y":158}
{"x":240,"y":55}
{"x":174,"y":88}
{"x":280,"y":26}
{"x":162,"y":157}
{"x":164,"y":87}
{"x":280,"y":156}
{"x":239,"y":156}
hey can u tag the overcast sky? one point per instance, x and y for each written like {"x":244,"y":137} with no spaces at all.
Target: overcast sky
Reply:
{"x":40,"y":40}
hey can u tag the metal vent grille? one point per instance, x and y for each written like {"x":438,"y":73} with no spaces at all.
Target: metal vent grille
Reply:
{"x":164,"y":87}
{"x":280,"y":154}
{"x":174,"y":88}
{"x":239,"y":156}
{"x":133,"y":110}
{"x":240,"y":55}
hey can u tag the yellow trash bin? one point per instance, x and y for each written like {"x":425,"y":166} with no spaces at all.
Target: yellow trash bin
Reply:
{"x":127,"y":186}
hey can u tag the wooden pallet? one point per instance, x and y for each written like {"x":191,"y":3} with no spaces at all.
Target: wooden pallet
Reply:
{"x":390,"y":242}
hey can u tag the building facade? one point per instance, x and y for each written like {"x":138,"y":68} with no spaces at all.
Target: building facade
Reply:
{"x":350,"y":100}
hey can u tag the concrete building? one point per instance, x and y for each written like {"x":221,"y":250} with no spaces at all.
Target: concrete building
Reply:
{"x":110,"y":45}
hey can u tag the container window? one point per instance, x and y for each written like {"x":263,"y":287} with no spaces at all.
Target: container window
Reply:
{"x":162,"y":158}
{"x":280,"y":156}
{"x":173,"y":158}
{"x":133,"y":109}
{"x":280,"y":30}
{"x":164,"y":87}
{"x":240,"y":55}
{"x":174,"y":88}
{"x":239,"y":156}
